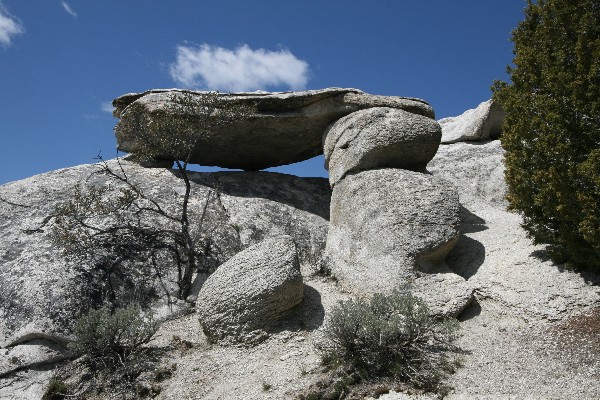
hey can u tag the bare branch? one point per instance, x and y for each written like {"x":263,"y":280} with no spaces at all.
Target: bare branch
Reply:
{"x":39,"y":229}
{"x":13,"y":203}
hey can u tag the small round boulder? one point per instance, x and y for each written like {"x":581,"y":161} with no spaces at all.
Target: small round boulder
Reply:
{"x":379,"y":137}
{"x":247,"y":294}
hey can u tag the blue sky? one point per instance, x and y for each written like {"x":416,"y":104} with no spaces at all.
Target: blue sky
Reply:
{"x":62,"y":62}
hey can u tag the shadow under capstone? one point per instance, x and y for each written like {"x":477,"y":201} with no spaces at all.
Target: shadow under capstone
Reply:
{"x":469,"y":222}
{"x":312,"y":195}
{"x":471,"y":311}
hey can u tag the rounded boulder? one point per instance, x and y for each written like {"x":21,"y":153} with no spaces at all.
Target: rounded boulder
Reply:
{"x":250,"y":292}
{"x":379,"y":137}
{"x":389,"y":225}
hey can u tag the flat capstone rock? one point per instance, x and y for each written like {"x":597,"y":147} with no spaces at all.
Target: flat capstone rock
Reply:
{"x":287,"y":127}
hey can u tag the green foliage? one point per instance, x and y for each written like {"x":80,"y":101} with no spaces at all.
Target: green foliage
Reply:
{"x":129,"y":241}
{"x":112,"y":342}
{"x":552,"y":128}
{"x":57,"y":389}
{"x":390,"y":336}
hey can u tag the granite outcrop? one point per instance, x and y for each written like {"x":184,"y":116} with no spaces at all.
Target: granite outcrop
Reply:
{"x":285,"y":127}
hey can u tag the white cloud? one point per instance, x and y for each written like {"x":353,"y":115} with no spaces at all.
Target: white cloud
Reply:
{"x":68,"y":9}
{"x":242,"y":69}
{"x":107,"y":107}
{"x":9,"y":27}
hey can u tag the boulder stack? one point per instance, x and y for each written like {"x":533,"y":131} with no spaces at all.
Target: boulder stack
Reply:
{"x":391,"y":223}
{"x":286,"y":127}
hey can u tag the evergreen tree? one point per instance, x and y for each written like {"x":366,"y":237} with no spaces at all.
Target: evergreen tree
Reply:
{"x":552,"y":128}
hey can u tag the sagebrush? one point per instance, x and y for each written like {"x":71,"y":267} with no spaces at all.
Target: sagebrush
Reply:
{"x":391,"y":335}
{"x":113,"y":342}
{"x":56,"y":389}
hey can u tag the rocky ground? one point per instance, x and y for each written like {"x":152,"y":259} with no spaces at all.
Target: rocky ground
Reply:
{"x":533,"y":330}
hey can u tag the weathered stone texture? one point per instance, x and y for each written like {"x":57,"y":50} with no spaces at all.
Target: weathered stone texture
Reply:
{"x":286,"y":128}
{"x":248,"y":294}
{"x":388,"y":223}
{"x":481,"y":123}
{"x":379,"y":137}
{"x":475,"y":168}
{"x":41,"y":296}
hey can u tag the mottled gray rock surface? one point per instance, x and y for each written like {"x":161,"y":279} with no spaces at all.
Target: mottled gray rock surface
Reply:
{"x":503,"y":266}
{"x":379,"y":137}
{"x":31,"y":354}
{"x":388,"y":223}
{"x":475,"y":168}
{"x":493,"y":252}
{"x":446,"y":293}
{"x":286,"y":128}
{"x":249,"y":293}
{"x":41,"y":296}
{"x":481,"y":123}
{"x":507,"y":334}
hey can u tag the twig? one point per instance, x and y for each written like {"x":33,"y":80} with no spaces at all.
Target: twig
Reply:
{"x":39,"y":228}
{"x":13,"y":204}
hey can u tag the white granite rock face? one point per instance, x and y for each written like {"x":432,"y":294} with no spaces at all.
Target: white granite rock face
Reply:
{"x":445,"y":293}
{"x":248,"y":294}
{"x":494,"y":253}
{"x":379,"y":137}
{"x":481,"y":123}
{"x":40,"y":294}
{"x":475,"y":168}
